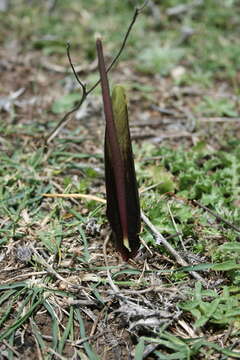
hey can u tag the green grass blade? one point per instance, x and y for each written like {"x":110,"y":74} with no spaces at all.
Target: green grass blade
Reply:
{"x":11,"y":341}
{"x":21,"y":319}
{"x":55,"y":328}
{"x":38,"y":336}
{"x":139,"y":350}
{"x":66,"y":332}
{"x":11,"y":306}
{"x":87,"y":347}
{"x":6,"y":295}
{"x":13,"y":286}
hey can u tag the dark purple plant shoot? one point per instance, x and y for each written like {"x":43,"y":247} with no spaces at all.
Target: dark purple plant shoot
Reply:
{"x":123,"y":208}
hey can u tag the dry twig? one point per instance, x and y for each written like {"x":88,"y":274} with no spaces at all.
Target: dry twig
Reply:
{"x":217,"y":216}
{"x":76,"y":196}
{"x":161,"y":240}
{"x":11,"y":348}
{"x":64,"y":121}
{"x":49,"y":268}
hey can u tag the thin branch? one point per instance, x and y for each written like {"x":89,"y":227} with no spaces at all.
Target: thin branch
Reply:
{"x":161,"y":240}
{"x":66,"y":118}
{"x":50,"y":269}
{"x":12,"y":348}
{"x":63,"y":122}
{"x":83,"y":86}
{"x":57,"y":355}
{"x":135,"y":15}
{"x":27,"y":275}
{"x":76,"y":196}
{"x":217,"y":216}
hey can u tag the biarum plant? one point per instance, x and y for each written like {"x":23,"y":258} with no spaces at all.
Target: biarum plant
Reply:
{"x":123,"y":208}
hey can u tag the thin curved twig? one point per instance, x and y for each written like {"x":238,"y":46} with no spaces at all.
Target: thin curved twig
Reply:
{"x":161,"y":240}
{"x":217,"y":216}
{"x":66,"y":118}
{"x":83,"y":86}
